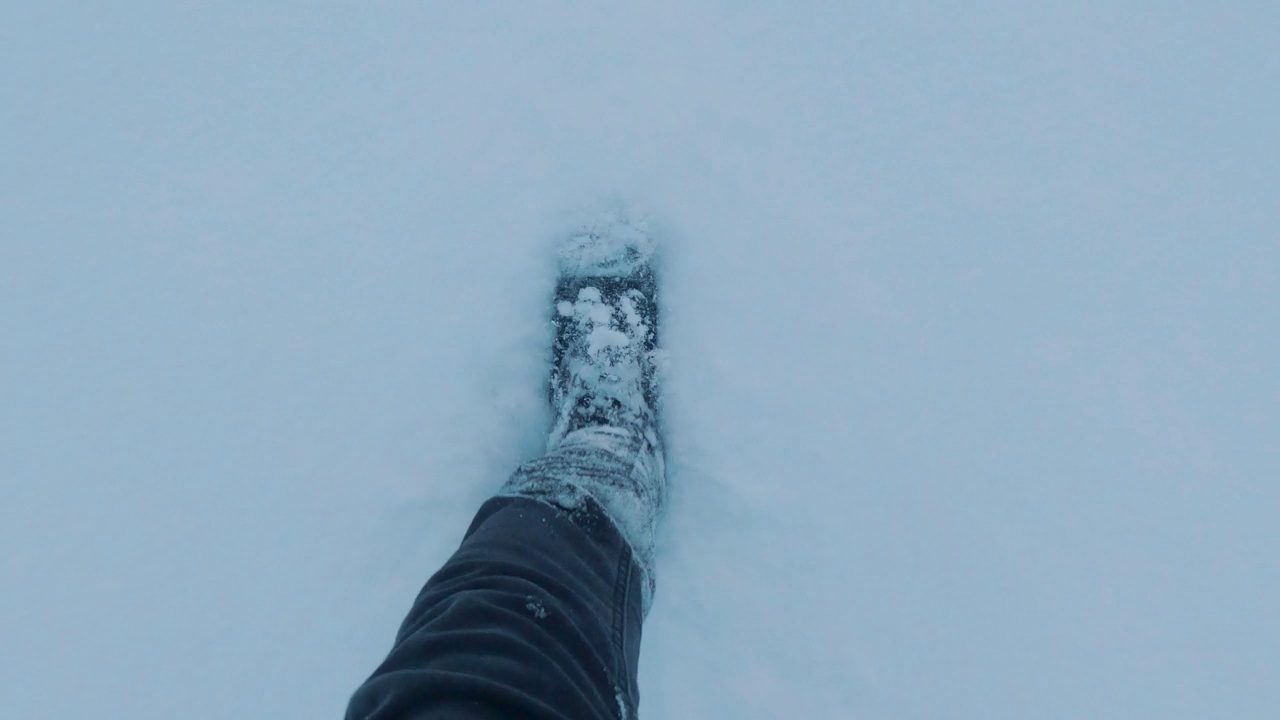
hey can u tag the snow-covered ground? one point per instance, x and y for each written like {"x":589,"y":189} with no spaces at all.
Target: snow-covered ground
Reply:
{"x":971,"y":312}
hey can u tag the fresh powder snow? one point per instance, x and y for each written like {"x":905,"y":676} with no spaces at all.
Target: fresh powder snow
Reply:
{"x":968,"y":360}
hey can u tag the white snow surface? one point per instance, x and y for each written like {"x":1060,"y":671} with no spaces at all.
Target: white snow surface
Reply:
{"x":970,"y":314}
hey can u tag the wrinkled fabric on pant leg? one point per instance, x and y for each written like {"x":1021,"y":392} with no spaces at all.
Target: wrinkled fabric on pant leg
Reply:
{"x":537,"y":615}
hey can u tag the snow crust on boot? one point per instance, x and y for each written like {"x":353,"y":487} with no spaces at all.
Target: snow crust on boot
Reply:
{"x":602,"y":372}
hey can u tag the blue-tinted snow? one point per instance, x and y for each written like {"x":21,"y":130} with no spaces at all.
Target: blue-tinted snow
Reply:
{"x":971,"y":331}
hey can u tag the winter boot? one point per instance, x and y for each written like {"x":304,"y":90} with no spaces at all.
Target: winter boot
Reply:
{"x":605,"y":442}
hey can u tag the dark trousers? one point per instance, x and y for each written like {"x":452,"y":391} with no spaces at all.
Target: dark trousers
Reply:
{"x":537,"y":615}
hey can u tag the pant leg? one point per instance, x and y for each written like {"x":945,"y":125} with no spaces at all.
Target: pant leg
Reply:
{"x":537,"y":615}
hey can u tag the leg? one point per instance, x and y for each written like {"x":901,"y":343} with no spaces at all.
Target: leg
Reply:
{"x":538,"y":613}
